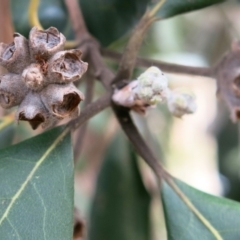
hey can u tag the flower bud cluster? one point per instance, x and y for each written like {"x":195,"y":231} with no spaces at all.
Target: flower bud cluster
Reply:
{"x":40,"y":77}
{"x":150,"y":88}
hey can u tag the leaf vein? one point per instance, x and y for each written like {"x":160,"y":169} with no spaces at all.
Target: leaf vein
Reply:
{"x":31,"y":174}
{"x":45,"y":209}
{"x":12,"y":226}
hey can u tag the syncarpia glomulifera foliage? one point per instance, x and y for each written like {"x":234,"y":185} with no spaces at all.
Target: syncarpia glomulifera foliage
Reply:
{"x":40,"y":77}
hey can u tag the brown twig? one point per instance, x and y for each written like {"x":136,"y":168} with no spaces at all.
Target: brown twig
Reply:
{"x":81,"y":132}
{"x":128,"y":59}
{"x":91,"y":110}
{"x":136,"y":139}
{"x":88,"y":44}
{"x":6,"y":30}
{"x":166,"y":67}
{"x":79,"y":26}
{"x":102,"y":72}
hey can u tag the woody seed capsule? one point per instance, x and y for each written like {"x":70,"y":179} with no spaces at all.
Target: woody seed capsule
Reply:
{"x":66,"y":66}
{"x":33,"y":110}
{"x":12,"y":90}
{"x":15,"y":56}
{"x":45,"y":43}
{"x":61,"y":100}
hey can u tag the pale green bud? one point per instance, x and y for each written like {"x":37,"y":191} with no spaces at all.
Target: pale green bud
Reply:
{"x":181,"y":103}
{"x":155,"y":79}
{"x":144,"y":93}
{"x":155,"y":99}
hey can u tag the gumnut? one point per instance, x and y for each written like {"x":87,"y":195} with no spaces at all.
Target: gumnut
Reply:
{"x":15,"y":56}
{"x":181,"y":103}
{"x":40,"y":78}
{"x":62,"y":100}
{"x":45,"y":43}
{"x":33,"y":110}
{"x":12,"y":90}
{"x":66,"y":66}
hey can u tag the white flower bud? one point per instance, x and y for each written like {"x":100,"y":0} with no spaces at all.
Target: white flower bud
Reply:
{"x":154,"y":77}
{"x":152,"y":86}
{"x":181,"y":103}
{"x":144,"y":93}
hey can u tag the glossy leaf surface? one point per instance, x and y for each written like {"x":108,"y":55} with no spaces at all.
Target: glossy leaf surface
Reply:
{"x":182,"y":223}
{"x":36,"y":188}
{"x":175,"y":7}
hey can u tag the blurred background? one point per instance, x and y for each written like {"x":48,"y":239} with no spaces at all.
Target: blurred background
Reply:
{"x":202,"y":149}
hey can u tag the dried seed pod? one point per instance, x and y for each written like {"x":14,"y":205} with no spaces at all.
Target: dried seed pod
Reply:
{"x":66,"y":66}
{"x":33,"y":110}
{"x":12,"y":90}
{"x":228,"y":81}
{"x":45,"y":43}
{"x":61,"y":100}
{"x":15,"y":56}
{"x":33,"y":77}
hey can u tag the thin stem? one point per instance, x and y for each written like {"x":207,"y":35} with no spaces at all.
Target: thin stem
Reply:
{"x":77,"y":20}
{"x":82,"y":131}
{"x":156,"y":8}
{"x":166,"y":67}
{"x":129,"y":56}
{"x":89,"y":45}
{"x":90,"y":111}
{"x":136,"y":139}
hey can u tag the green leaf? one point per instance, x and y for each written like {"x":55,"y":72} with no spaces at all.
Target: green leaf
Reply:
{"x":175,"y":7}
{"x":222,"y":214}
{"x":109,"y":20}
{"x":36,"y":188}
{"x":120,"y":208}
{"x":51,"y":13}
{"x":7,"y":130}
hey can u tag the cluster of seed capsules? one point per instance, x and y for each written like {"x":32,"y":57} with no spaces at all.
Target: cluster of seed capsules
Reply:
{"x":40,"y":77}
